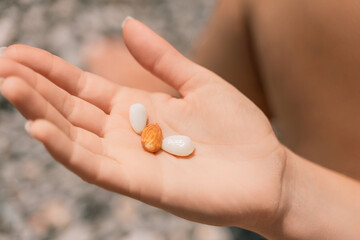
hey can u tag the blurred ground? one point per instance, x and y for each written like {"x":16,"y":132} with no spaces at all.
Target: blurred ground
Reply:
{"x":40,"y":199}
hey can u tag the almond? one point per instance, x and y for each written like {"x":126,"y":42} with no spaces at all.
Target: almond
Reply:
{"x":151,"y":138}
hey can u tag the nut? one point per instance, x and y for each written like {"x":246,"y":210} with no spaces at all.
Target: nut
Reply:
{"x":138,"y":117}
{"x":151,"y":138}
{"x":178,"y":145}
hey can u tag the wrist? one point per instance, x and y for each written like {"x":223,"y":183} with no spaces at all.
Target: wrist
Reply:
{"x":316,"y":203}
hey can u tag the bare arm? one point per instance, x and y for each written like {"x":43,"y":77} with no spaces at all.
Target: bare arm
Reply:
{"x":225,"y":47}
{"x":318,"y":203}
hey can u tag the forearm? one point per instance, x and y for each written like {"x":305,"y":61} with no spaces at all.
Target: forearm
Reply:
{"x":318,"y":203}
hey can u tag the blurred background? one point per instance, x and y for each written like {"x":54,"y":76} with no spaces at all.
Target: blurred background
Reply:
{"x":40,"y":199}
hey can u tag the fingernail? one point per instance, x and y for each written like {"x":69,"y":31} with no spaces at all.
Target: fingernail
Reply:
{"x":27,"y":126}
{"x":2,"y":50}
{"x":125,"y":20}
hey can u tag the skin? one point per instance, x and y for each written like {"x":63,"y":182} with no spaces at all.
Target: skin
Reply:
{"x":299,"y":62}
{"x":239,"y":175}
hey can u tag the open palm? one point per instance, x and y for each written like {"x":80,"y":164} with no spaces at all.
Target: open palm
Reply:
{"x":234,"y":177}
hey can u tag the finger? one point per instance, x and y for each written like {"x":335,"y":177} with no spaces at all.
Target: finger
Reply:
{"x":87,"y":86}
{"x":93,"y":168}
{"x":33,"y":106}
{"x":160,"y":58}
{"x":112,"y":174}
{"x":72,"y":155}
{"x":76,"y":110}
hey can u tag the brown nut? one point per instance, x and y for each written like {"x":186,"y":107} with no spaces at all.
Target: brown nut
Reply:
{"x":151,"y":138}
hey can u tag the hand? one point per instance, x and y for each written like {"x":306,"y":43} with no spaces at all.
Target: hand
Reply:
{"x":234,"y":177}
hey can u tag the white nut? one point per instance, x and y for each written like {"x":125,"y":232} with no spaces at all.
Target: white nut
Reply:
{"x":178,"y":145}
{"x":138,"y":117}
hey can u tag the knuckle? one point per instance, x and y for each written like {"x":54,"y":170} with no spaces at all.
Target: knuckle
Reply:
{"x":68,"y":107}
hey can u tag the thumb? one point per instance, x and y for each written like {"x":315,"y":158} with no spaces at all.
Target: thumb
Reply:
{"x":161,"y":59}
